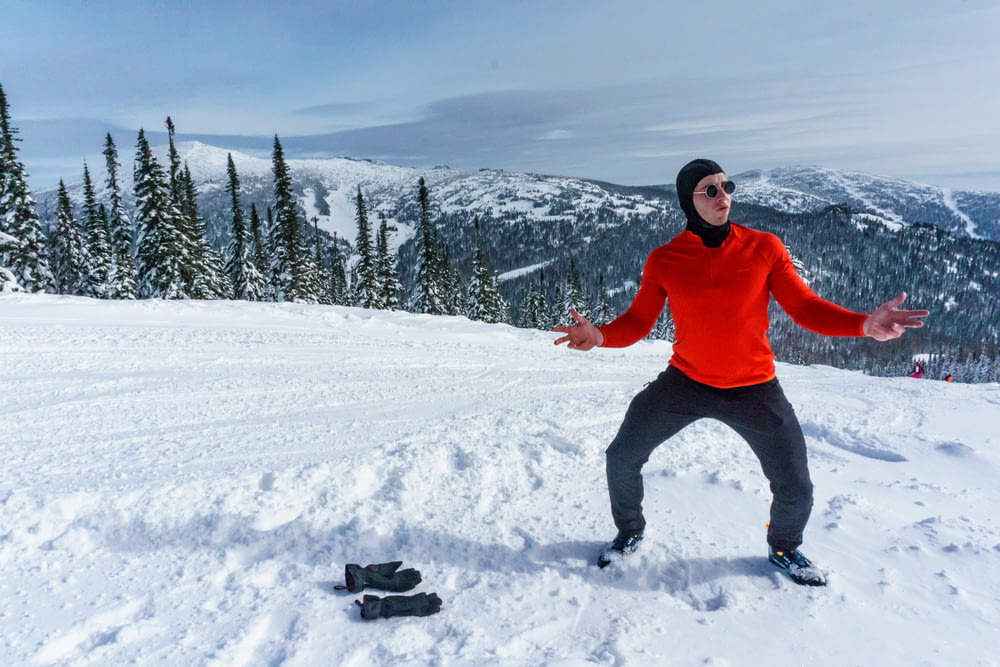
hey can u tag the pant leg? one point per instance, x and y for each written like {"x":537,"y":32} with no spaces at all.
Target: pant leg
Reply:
{"x":656,"y":413}
{"x":767,"y":421}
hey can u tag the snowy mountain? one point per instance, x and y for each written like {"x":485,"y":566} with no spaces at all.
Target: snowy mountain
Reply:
{"x":185,"y":481}
{"x":859,"y":239}
{"x":800,"y":189}
{"x":329,"y":185}
{"x":327,"y":188}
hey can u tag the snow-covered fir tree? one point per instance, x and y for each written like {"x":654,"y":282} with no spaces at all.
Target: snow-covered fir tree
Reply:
{"x":95,"y":232}
{"x":208,"y":275}
{"x":428,"y":292}
{"x":365,"y":289}
{"x":535,"y":312}
{"x":202,"y":267}
{"x":602,"y":312}
{"x":665,"y":328}
{"x":483,"y":299}
{"x":338,"y":288}
{"x":122,"y":276}
{"x":8,"y":283}
{"x":322,"y":278}
{"x":26,"y":257}
{"x":388,"y":276}
{"x":258,"y":234}
{"x":291,"y":272}
{"x":246,"y":278}
{"x":187,"y":242}
{"x":69,"y":256}
{"x":173,"y":164}
{"x":158,"y":249}
{"x":572,"y":296}
{"x":451,"y":282}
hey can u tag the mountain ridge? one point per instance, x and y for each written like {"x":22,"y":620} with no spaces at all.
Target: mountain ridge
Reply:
{"x":795,"y":189}
{"x":860,"y":239}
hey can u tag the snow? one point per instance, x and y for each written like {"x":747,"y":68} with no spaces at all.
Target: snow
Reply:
{"x":948,"y":198}
{"x":184,"y":482}
{"x":523,"y":271}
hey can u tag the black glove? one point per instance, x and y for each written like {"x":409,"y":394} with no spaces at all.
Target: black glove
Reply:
{"x":382,"y":576}
{"x":421,"y":604}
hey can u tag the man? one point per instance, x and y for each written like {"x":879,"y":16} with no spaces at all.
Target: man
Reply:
{"x":718,"y":278}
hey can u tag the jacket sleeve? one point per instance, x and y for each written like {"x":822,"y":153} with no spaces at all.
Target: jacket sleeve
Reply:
{"x":802,"y":304}
{"x":640,"y":318}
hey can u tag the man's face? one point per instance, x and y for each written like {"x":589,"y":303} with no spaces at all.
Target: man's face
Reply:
{"x":715,"y":210}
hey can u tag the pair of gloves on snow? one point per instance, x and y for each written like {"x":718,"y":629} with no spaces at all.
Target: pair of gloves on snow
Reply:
{"x":388,"y":577}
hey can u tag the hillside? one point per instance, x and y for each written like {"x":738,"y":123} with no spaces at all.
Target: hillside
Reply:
{"x":860,"y":238}
{"x":184,"y":482}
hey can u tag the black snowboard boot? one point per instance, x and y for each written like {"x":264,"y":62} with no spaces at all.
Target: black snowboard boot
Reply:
{"x":798,"y":568}
{"x":623,"y":545}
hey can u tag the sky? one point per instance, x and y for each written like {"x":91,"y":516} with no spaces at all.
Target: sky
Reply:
{"x":624,"y":91}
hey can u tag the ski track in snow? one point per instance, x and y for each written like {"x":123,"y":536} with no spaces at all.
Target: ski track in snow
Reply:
{"x":185,"y":482}
{"x":948,"y":199}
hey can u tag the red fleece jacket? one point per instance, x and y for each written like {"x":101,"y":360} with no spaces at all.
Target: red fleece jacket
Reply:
{"x":718,"y":298}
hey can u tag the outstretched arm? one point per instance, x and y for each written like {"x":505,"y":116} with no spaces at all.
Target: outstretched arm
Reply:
{"x":581,"y":336}
{"x":888,"y":322}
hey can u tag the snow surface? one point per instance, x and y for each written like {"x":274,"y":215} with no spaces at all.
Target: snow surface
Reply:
{"x":948,"y":198}
{"x":185,"y":481}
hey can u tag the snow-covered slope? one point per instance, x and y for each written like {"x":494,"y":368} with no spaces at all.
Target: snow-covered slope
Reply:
{"x":547,"y":198}
{"x":329,"y":188}
{"x":797,"y":189}
{"x":184,"y":482}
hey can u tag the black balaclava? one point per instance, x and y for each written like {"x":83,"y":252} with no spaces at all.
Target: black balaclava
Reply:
{"x":687,"y":179}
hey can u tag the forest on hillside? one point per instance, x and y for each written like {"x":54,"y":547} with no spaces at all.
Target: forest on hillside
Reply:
{"x":167,"y":238}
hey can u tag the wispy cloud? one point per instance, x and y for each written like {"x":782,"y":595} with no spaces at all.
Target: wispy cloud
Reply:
{"x":623,"y":92}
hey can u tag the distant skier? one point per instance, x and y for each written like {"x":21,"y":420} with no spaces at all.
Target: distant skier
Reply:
{"x":718,"y":278}
{"x":917,"y":371}
{"x":949,"y":378}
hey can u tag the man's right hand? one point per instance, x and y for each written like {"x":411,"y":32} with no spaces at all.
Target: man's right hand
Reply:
{"x":581,"y":336}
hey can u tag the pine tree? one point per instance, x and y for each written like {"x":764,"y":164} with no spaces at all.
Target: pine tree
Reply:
{"x":209,"y":279}
{"x":158,"y":251}
{"x":451,"y":282}
{"x":259,"y":248}
{"x":247,"y":280}
{"x":8,"y":283}
{"x":603,"y":312}
{"x":291,"y":266}
{"x":202,"y":267}
{"x":338,"y":288}
{"x":96,"y":237}
{"x":122,"y":277}
{"x":535,"y":312}
{"x":174,"y":162}
{"x":388,"y":278}
{"x":484,"y":301}
{"x":366,"y":291}
{"x":69,"y":255}
{"x":187,"y":244}
{"x":572,"y":296}
{"x":665,"y":328}
{"x":25,"y":256}
{"x":322,"y":277}
{"x":428,"y":296}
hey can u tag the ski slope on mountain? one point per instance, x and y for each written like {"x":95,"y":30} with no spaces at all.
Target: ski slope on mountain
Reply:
{"x":185,"y":481}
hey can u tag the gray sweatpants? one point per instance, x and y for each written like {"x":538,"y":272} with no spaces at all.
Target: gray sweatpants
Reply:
{"x":759,"y":413}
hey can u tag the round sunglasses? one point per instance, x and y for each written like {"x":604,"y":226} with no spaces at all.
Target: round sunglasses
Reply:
{"x":712,"y":190}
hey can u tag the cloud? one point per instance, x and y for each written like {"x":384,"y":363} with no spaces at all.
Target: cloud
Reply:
{"x":557,"y":135}
{"x":336,"y":109}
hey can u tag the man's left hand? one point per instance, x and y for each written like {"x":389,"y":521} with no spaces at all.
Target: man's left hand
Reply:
{"x":888,"y":322}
